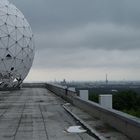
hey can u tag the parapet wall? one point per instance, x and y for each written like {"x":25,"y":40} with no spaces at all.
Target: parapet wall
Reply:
{"x":127,"y":124}
{"x":62,"y":92}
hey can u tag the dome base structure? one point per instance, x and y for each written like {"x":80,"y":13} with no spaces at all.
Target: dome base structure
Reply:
{"x":10,"y":85}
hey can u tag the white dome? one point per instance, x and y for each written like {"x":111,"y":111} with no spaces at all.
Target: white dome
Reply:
{"x":16,"y":46}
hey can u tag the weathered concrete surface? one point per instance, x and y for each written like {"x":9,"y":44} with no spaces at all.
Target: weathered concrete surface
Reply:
{"x":95,"y":125}
{"x":35,"y":114}
{"x":124,"y":123}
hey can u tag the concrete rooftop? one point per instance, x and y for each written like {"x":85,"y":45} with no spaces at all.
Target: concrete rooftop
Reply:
{"x":35,"y":114}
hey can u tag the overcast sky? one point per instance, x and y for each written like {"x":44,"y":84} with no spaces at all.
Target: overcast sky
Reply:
{"x":84,"y":39}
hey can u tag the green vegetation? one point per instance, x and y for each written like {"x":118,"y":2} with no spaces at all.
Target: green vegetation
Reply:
{"x":126,"y":101}
{"x":94,"y":97}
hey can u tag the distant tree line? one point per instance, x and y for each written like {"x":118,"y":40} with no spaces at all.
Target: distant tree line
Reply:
{"x":127,"y":101}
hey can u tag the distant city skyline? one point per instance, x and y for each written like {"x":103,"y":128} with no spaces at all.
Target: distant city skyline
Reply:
{"x":84,"y":39}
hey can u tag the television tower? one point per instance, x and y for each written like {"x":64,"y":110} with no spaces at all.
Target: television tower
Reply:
{"x":106,"y":79}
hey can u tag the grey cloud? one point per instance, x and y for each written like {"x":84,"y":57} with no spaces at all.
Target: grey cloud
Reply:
{"x":88,"y":59}
{"x":57,"y":14}
{"x":92,"y":36}
{"x":95,"y":24}
{"x":84,"y":33}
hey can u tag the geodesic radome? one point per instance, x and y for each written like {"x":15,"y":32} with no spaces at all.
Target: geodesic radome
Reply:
{"x":16,"y":46}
